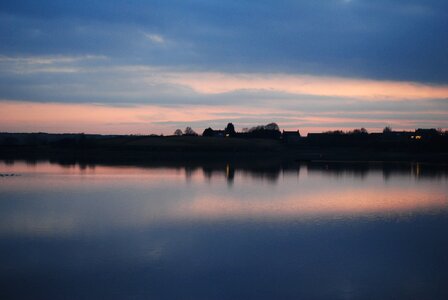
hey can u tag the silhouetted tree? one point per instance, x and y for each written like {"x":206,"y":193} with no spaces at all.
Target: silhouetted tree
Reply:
{"x":270,"y":130}
{"x":272,"y":126}
{"x":189,"y":131}
{"x":230,"y":130}
{"x":208,"y":132}
{"x":335,"y":132}
{"x":360,"y":131}
{"x":178,"y":132}
{"x":387,"y":129}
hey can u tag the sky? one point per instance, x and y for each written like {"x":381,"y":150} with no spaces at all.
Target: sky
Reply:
{"x":152,"y":66}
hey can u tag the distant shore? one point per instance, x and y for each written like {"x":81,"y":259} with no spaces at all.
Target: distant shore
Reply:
{"x":195,"y":148}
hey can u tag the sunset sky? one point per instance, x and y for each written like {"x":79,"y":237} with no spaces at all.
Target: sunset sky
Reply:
{"x":151,"y":66}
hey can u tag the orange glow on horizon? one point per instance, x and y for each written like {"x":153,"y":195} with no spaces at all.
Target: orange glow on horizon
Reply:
{"x":145,"y":119}
{"x":215,"y":83}
{"x":91,"y":118}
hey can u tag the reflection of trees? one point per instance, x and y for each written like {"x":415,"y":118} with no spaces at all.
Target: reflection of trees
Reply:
{"x":359,"y":170}
{"x":270,"y":174}
{"x":189,"y":171}
{"x":31,"y":162}
{"x":230,"y":173}
{"x":415,"y":169}
{"x":228,"y":170}
{"x":69,"y":162}
{"x":267,"y":170}
{"x":388,"y":169}
{"x":9,"y":162}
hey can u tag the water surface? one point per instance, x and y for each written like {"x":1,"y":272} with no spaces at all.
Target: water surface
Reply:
{"x":223,"y":231}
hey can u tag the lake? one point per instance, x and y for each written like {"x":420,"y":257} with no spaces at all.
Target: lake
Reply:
{"x":223,"y":231}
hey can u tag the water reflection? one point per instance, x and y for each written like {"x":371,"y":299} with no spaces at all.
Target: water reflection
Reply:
{"x":223,"y":230}
{"x":51,"y":198}
{"x":388,"y":170}
{"x":266,"y":170}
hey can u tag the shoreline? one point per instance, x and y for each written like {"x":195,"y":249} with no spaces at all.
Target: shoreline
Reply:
{"x":282,"y":154}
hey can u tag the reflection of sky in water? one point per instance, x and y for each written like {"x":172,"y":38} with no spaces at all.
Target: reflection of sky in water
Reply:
{"x":50,"y":199}
{"x":321,"y":232}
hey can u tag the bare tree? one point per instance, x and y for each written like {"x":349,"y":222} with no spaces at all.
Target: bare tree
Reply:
{"x":387,"y":129}
{"x":190,"y":131}
{"x":272,"y":126}
{"x":360,"y":131}
{"x":178,"y":132}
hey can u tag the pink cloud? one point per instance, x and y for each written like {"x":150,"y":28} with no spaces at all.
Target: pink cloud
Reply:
{"x":214,"y":83}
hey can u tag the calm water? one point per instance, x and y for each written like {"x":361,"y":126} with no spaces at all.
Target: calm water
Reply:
{"x":222,"y":231}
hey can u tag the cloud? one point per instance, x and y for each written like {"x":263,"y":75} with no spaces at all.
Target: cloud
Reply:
{"x":399,"y":40}
{"x":209,"y":99}
{"x":49,"y":60}
{"x":92,"y":78}
{"x":46,"y":64}
{"x":291,"y":59}
{"x":155,"y":38}
{"x":211,"y":83}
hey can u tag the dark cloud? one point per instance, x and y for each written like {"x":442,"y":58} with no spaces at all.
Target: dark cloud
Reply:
{"x":399,"y":40}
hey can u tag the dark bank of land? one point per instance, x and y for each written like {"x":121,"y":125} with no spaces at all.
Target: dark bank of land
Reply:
{"x":423,"y":145}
